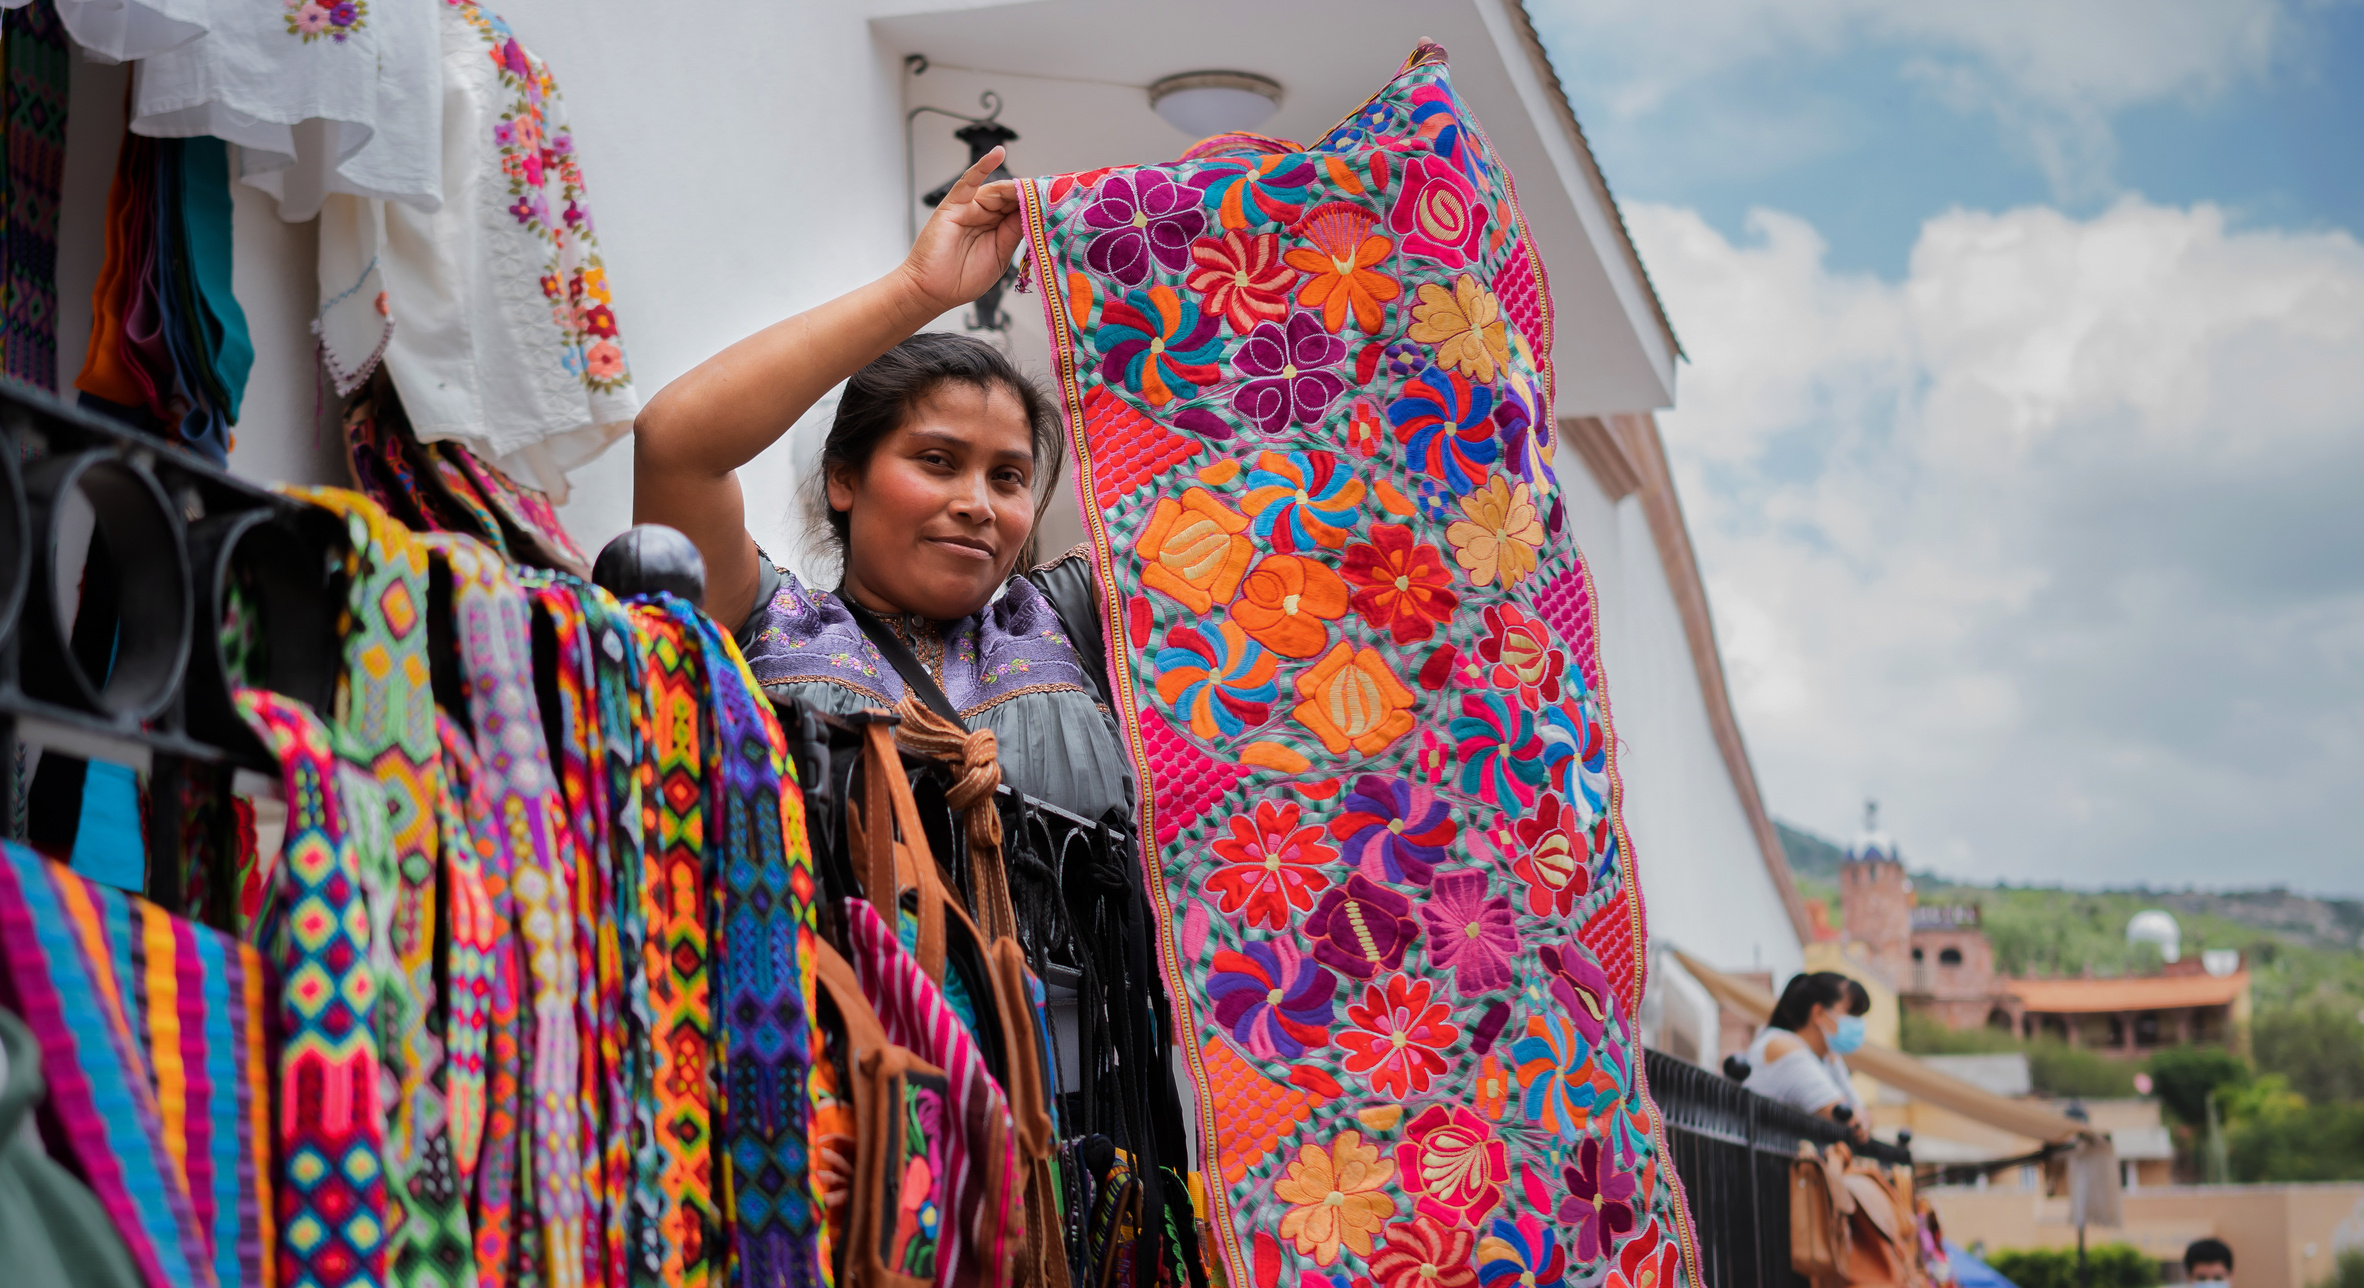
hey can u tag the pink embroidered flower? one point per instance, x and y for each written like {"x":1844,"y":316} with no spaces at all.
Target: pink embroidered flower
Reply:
{"x":1438,"y":213}
{"x":605,"y":360}
{"x":1552,"y":858}
{"x":1361,"y":928}
{"x":1600,"y":1199}
{"x":1580,"y":986}
{"x":1274,"y":865}
{"x":1451,"y":1158}
{"x":1399,"y":1036}
{"x":1474,"y":936}
{"x":1424,"y":1253}
{"x":311,"y":20}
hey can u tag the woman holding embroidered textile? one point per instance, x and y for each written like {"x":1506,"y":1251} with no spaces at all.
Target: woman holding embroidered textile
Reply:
{"x":931,"y":474}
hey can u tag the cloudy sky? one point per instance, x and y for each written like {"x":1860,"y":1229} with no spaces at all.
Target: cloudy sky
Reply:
{"x":2023,"y":431}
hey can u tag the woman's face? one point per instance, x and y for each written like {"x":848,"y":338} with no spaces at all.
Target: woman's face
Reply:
{"x":937,"y":517}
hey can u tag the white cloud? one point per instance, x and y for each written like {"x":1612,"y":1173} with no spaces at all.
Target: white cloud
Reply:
{"x":2056,"y":546}
{"x":2050,"y":73}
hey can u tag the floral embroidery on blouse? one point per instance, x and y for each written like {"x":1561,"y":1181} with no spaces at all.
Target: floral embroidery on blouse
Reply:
{"x":310,"y":20}
{"x":540,"y":166}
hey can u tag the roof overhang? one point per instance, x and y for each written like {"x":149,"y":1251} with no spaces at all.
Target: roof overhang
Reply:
{"x":1073,"y":75}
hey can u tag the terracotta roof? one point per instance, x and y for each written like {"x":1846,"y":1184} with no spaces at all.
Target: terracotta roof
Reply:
{"x":2149,"y":993}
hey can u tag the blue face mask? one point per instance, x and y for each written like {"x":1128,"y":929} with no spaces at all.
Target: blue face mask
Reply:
{"x":1850,"y":1035}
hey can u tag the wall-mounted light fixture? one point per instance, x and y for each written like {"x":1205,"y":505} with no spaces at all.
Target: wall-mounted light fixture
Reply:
{"x":1215,"y":102}
{"x":982,"y":134}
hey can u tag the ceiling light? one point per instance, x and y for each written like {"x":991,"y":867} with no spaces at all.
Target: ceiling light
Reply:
{"x":1204,"y":103}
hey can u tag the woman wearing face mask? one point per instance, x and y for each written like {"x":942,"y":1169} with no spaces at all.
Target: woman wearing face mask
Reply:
{"x":1797,"y":1058}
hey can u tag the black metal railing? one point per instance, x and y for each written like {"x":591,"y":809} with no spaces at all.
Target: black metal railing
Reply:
{"x":1733,"y":1148}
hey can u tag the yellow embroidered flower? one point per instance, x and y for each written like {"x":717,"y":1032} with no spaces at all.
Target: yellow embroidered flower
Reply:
{"x":1500,"y":536}
{"x":1338,"y":1196}
{"x":1353,"y":700}
{"x":1464,"y":326}
{"x":1194,"y":551}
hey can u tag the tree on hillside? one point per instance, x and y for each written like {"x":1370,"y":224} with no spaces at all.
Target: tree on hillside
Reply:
{"x":2186,"y":1077}
{"x":2319,"y":1047}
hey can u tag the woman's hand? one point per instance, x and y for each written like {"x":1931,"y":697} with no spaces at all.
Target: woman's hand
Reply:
{"x":966,"y":245}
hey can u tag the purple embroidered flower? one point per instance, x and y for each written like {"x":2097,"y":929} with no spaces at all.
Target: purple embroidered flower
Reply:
{"x":344,"y":14}
{"x":513,"y":59}
{"x":1526,"y":436}
{"x":1394,"y":830}
{"x":1405,"y":359}
{"x":1470,"y":933}
{"x":505,"y":133}
{"x":1274,"y":1000}
{"x":1600,"y":1200}
{"x":1290,"y":384}
{"x":1145,"y":217}
{"x":1361,"y":928}
{"x":1580,"y":986}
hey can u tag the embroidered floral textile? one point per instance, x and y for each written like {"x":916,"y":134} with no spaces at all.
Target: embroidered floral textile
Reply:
{"x":1356,"y":661}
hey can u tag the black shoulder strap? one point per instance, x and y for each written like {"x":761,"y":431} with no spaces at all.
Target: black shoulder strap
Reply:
{"x":915,"y":676}
{"x":1068,"y":583}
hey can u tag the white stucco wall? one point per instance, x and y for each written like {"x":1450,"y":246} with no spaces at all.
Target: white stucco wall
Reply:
{"x":744,"y":172}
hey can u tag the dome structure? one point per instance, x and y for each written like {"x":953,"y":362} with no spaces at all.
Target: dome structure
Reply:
{"x":2156,"y":926}
{"x":1871,"y":845}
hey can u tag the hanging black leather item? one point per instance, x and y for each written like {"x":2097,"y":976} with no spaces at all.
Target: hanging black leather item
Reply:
{"x":915,"y":676}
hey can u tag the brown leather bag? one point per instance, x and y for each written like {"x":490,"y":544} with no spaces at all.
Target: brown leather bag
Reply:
{"x":884,"y":1077}
{"x":1883,"y":1238}
{"x":896,"y":859}
{"x":1820,"y":1208}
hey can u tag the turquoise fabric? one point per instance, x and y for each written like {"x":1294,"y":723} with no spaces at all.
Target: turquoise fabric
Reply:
{"x":205,"y":226}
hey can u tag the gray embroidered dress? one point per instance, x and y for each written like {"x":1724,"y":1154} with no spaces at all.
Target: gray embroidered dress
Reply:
{"x":1010,"y":668}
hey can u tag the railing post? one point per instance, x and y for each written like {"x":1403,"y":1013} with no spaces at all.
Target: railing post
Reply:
{"x":1756,"y":1202}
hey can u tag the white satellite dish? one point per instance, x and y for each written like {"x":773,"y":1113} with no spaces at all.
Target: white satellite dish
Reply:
{"x":2156,"y":926}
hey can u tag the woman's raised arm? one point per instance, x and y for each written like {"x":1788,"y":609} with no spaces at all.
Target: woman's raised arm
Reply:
{"x":719,"y":415}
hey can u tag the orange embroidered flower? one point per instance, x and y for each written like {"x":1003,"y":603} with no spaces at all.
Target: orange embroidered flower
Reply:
{"x":1284,"y":602}
{"x":1241,"y":279}
{"x":1490,"y":1090}
{"x":1337,"y":1196}
{"x":1341,"y":277}
{"x":1464,"y":325}
{"x":1353,"y":700}
{"x":1194,"y":550}
{"x":1500,"y":536}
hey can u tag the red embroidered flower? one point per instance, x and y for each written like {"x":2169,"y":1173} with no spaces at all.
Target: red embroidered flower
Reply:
{"x":1451,"y":1158}
{"x":1274,"y":865}
{"x":1438,"y":213}
{"x":1648,"y":1260}
{"x":1425,"y":1254}
{"x":1405,"y":587}
{"x":1240,"y":278}
{"x":1399,"y":1036}
{"x":1526,"y":660}
{"x":1552,"y":858}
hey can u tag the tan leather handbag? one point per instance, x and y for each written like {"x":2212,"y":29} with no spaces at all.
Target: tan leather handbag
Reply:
{"x":1820,"y":1208}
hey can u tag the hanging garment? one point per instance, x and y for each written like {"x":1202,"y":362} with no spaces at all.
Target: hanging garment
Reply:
{"x":1310,"y":392}
{"x":118,"y":31}
{"x":675,"y":891}
{"x":56,"y":1234}
{"x":34,"y":100}
{"x":337,"y":97}
{"x":765,"y":967}
{"x":331,"y":1124}
{"x":493,"y":311}
{"x":491,"y":622}
{"x":385,"y":718}
{"x":151,"y":1032}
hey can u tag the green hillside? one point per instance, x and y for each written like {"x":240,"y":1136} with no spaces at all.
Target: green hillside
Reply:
{"x":2290,"y":1105}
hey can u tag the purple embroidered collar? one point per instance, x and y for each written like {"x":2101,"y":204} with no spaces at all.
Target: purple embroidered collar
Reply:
{"x":1015,"y":645}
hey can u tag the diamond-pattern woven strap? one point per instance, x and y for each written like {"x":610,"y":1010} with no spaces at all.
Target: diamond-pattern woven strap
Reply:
{"x":385,"y":719}
{"x":484,"y":1036}
{"x":674,"y":899}
{"x":766,"y":967}
{"x":330,"y":1122}
{"x":496,"y":657}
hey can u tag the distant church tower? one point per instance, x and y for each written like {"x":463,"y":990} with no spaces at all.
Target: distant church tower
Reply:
{"x":1877,"y":900}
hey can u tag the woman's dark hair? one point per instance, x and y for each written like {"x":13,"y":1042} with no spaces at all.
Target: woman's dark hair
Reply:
{"x":880,"y":397}
{"x":1821,"y":988}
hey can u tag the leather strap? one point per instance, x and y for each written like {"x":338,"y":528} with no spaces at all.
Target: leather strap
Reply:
{"x":915,"y":676}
